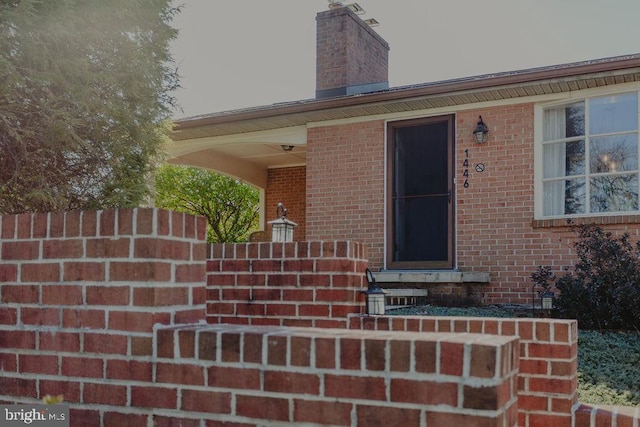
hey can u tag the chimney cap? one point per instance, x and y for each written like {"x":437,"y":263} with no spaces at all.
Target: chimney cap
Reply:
{"x":335,"y":4}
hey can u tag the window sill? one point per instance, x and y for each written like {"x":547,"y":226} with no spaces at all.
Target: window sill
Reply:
{"x":597,"y":220}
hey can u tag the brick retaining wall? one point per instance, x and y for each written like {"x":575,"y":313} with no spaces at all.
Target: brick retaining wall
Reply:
{"x":109,"y":309}
{"x":313,"y":284}
{"x":606,"y":416}
{"x":548,"y":378}
{"x":268,"y":375}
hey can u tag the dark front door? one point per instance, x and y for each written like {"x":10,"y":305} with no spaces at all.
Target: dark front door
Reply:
{"x":420,"y":194}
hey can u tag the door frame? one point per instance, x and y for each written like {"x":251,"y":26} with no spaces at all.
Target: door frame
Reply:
{"x":450,"y":263}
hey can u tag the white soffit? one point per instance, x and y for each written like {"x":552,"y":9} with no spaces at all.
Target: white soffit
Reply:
{"x":294,"y":135}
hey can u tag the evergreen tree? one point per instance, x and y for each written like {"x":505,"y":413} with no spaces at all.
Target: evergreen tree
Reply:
{"x":85,"y":96}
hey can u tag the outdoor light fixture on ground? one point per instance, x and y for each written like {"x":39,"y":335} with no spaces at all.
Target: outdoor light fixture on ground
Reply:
{"x":546,"y":301}
{"x":374,"y":296}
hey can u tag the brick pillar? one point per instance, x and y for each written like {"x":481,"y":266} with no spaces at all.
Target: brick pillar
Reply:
{"x":93,"y":283}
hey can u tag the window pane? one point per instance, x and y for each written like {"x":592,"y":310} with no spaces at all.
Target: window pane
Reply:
{"x":575,"y":198}
{"x":554,"y":198}
{"x":614,"y":193}
{"x":575,"y":119}
{"x":564,"y":159}
{"x":564,"y":197}
{"x":617,"y":113}
{"x":564,"y":122}
{"x":613,"y":154}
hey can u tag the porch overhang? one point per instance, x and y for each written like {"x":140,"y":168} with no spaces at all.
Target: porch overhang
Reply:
{"x":246,"y":156}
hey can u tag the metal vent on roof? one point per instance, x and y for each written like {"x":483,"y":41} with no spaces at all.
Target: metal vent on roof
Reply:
{"x":372,"y":22}
{"x":355,"y":7}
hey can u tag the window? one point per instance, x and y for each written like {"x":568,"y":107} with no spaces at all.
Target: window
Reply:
{"x":590,"y":157}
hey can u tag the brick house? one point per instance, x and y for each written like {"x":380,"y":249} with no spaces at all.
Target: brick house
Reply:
{"x":399,"y":169}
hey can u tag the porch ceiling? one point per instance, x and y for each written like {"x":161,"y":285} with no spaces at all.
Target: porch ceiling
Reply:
{"x":244,"y":156}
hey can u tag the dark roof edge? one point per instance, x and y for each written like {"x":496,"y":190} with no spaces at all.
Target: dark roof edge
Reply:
{"x":414,"y":91}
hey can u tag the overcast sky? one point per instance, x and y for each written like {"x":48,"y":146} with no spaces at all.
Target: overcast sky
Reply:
{"x":244,"y":53}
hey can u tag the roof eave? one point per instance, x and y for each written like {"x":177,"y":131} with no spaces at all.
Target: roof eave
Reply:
{"x":416,"y":91}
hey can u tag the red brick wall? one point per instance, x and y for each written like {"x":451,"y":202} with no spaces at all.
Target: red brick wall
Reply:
{"x":104,"y":306}
{"x":495,"y":227}
{"x":89,"y":259}
{"x":548,"y":378}
{"x":496,"y":212}
{"x":311,"y":284}
{"x":606,"y":416}
{"x":288,"y":185}
{"x":81,"y":294}
{"x":345,"y":185}
{"x":271,"y":376}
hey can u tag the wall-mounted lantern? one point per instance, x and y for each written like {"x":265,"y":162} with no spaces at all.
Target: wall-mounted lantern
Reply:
{"x":481,"y":132}
{"x":374,"y":296}
{"x":282,"y":228}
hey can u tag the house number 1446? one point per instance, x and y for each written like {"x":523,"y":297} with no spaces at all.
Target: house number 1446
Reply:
{"x":465,"y":170}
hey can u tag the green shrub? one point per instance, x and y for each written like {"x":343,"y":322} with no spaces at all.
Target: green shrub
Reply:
{"x":603,"y":289}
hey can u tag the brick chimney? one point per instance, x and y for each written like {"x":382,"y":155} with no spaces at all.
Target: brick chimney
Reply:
{"x":351,"y":58}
